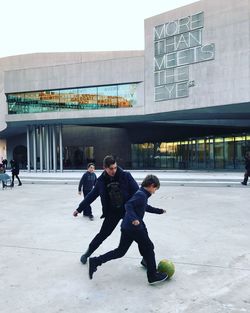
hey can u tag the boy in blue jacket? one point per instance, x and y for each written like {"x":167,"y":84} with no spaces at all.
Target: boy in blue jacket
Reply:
{"x":86,"y":184}
{"x":134,"y":229}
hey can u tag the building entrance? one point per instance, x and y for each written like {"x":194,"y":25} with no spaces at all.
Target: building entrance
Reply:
{"x":226,"y":152}
{"x":20,"y":156}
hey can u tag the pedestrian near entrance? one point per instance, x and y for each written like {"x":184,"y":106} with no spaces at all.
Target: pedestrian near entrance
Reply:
{"x":134,"y":229}
{"x":247,"y":168}
{"x":115,"y":187}
{"x":15,"y":172}
{"x":86,"y":184}
{"x":5,"y":163}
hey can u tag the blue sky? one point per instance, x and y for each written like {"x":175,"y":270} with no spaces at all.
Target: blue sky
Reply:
{"x":30,"y":26}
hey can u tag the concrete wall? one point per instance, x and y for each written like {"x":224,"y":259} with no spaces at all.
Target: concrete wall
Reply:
{"x":103,"y":72}
{"x":68,"y":70}
{"x":3,"y":148}
{"x":224,"y":80}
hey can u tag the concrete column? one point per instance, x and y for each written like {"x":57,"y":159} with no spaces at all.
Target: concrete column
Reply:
{"x":41,"y":147}
{"x":50,"y":147}
{"x":47,"y":146}
{"x":60,"y":148}
{"x":34,"y":147}
{"x":44,"y":148}
{"x":54,"y":148}
{"x":28,"y":147}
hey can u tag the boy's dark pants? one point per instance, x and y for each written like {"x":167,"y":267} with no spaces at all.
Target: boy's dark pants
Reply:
{"x":109,"y":224}
{"x":145,"y":246}
{"x":13,"y":177}
{"x":87,"y":211}
{"x":246,"y":175}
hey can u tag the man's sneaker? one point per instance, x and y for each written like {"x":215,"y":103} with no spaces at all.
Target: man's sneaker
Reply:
{"x":92,"y":267}
{"x":159,"y":277}
{"x":243,"y":183}
{"x":91,"y":217}
{"x":144,"y":263}
{"x":84,"y":259}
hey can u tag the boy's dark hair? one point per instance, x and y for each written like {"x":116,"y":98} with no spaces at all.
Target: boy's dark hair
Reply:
{"x":151,"y":180}
{"x":90,"y":164}
{"x":108,"y":160}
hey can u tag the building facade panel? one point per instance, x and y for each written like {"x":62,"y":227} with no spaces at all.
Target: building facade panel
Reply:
{"x":67,"y":70}
{"x":107,"y":72}
{"x":219,"y":81}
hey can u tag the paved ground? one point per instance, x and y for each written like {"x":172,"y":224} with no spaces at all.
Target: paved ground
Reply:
{"x":205,"y":233}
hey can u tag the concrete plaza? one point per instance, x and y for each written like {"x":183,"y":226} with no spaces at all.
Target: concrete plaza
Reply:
{"x":205,"y":233}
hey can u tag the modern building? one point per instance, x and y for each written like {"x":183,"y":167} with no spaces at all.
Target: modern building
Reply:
{"x":183,"y":102}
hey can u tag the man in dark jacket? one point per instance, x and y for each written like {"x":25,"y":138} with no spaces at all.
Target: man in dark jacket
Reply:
{"x":115,"y":187}
{"x":247,"y":167}
{"x":86,"y":184}
{"x":15,"y":172}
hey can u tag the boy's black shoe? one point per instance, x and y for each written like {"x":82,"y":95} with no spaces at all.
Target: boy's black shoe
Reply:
{"x":84,"y":259}
{"x":144,"y":263}
{"x":20,"y":184}
{"x":243,"y":183}
{"x":159,"y":277}
{"x":92,"y":267}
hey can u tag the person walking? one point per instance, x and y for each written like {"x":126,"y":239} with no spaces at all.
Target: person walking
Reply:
{"x":15,"y":172}
{"x":86,"y":184}
{"x":247,"y":169}
{"x":134,"y":229}
{"x":5,"y":163}
{"x":115,"y":187}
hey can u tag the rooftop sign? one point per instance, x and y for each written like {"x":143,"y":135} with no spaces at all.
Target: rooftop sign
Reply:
{"x":178,"y":44}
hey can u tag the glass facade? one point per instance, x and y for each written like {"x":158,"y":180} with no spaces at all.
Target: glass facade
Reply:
{"x":100,"y":97}
{"x":201,"y":153}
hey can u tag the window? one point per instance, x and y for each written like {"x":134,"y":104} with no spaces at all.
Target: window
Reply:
{"x":112,"y":96}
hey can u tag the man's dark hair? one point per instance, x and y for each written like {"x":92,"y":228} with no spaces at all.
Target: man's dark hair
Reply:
{"x":151,"y":180}
{"x":108,"y":160}
{"x":90,"y":164}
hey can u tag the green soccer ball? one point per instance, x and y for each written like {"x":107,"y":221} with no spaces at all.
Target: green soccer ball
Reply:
{"x":166,"y":266}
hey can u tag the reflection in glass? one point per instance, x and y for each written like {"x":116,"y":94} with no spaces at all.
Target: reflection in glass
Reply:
{"x":115,"y":96}
{"x":207,"y":153}
{"x":240,"y":150}
{"x":107,"y":97}
{"x":127,"y":96}
{"x":229,"y":152}
{"x":218,"y":153}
